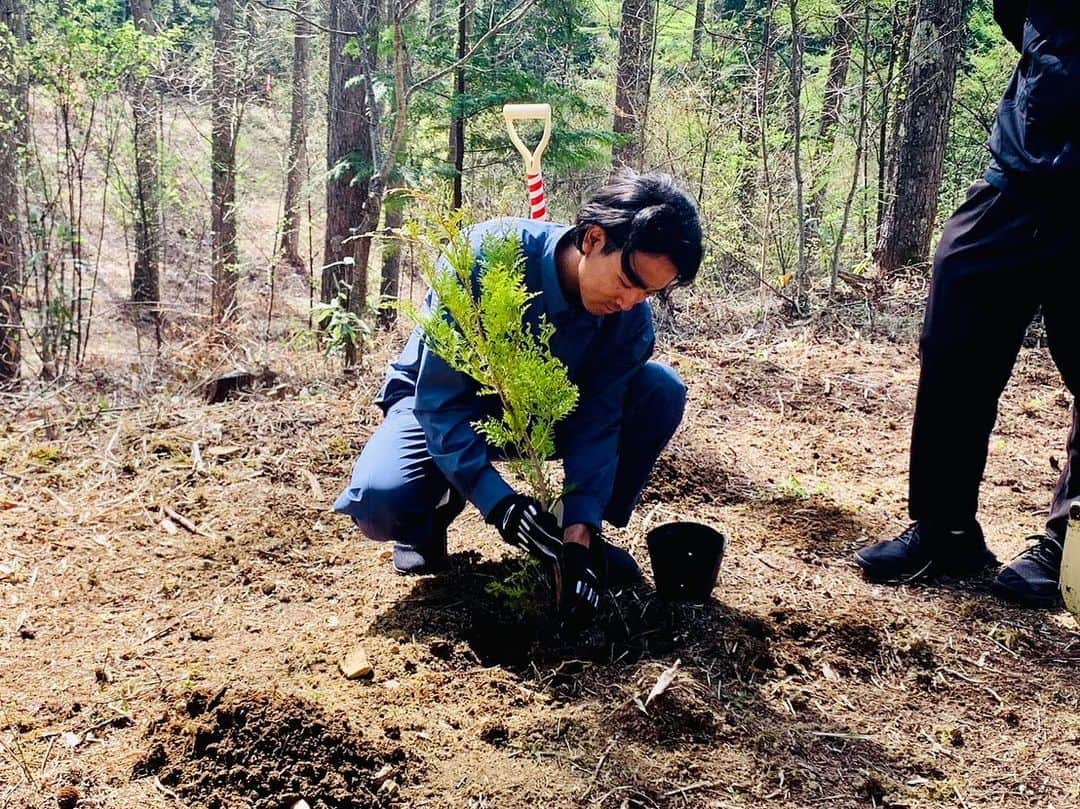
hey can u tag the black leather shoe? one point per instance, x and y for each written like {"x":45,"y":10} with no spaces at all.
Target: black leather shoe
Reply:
{"x":622,"y":570}
{"x":925,"y":550}
{"x":1031,"y":579}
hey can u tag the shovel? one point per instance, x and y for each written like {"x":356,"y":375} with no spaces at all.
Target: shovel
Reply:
{"x":531,"y":112}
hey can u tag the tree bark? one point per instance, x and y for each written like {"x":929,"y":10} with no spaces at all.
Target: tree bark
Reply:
{"x":12,"y":113}
{"x":349,"y":155}
{"x":457,"y":123}
{"x":390,"y":283}
{"x":936,"y":43}
{"x":699,"y":31}
{"x":223,"y":163}
{"x":762,"y":118}
{"x":146,"y":275}
{"x":436,"y":9}
{"x":835,"y":84}
{"x":860,"y":152}
{"x":296,"y":160}
{"x":633,"y":80}
{"x":795,"y":75}
{"x":890,"y":108}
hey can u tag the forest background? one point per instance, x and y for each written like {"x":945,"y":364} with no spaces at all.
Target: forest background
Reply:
{"x":193,"y":200}
{"x":198,"y":172}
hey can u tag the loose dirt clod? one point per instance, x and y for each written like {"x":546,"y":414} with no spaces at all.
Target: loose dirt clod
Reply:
{"x":266,"y":751}
{"x":355,"y":664}
{"x":67,"y":797}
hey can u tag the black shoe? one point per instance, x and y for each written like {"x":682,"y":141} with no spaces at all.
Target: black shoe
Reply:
{"x":419,"y":560}
{"x":431,"y":557}
{"x":1032,"y":577}
{"x":924,"y":550}
{"x":622,"y":570}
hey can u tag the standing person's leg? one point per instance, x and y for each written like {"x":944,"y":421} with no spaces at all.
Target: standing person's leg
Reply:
{"x":983,"y":295}
{"x":398,"y":494}
{"x":1032,"y":577}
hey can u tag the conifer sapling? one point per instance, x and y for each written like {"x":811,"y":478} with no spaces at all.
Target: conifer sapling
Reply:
{"x":485,"y":336}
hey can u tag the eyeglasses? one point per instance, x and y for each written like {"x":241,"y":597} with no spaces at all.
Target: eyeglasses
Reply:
{"x":637,"y":281}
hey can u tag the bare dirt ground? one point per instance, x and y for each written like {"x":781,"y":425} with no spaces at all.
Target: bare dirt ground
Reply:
{"x":175,"y":597}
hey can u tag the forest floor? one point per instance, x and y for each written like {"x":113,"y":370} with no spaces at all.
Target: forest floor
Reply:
{"x":176,"y":595}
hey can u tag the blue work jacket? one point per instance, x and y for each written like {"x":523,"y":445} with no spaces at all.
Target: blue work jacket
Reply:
{"x":601,"y":355}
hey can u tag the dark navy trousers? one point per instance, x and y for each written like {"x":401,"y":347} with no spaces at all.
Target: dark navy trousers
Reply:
{"x":1003,"y":256}
{"x":398,"y":493}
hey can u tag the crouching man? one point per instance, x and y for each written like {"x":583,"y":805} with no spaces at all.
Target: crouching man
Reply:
{"x":637,"y":237}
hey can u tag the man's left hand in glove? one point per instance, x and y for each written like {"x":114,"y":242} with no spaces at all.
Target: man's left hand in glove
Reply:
{"x":574,"y":556}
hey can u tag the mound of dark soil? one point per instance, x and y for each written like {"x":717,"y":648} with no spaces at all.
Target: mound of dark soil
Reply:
{"x":267,"y":751}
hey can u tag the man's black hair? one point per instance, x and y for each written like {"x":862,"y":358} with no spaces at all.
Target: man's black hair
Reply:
{"x":647,"y":213}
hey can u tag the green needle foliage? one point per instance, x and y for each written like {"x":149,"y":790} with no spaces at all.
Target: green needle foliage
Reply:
{"x":485,"y":336}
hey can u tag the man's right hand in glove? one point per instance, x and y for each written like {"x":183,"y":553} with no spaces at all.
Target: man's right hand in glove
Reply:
{"x":523,"y":522}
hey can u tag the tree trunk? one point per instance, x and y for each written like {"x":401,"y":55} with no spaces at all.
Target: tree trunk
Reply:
{"x":457,"y":123}
{"x":436,"y":9}
{"x":699,"y":31}
{"x":389,"y":286}
{"x":890,"y":105}
{"x":762,"y":118}
{"x":860,"y":152}
{"x":223,"y":163}
{"x":795,"y":75}
{"x":835,"y":84}
{"x":296,"y":160}
{"x":145,"y":280}
{"x":11,"y":115}
{"x":633,"y":80}
{"x":936,"y":43}
{"x":349,"y":156}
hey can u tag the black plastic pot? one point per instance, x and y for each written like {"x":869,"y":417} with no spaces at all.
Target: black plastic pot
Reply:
{"x":685,"y":560}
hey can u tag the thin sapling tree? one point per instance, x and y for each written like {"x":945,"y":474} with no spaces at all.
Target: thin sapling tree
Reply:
{"x":477,"y":325}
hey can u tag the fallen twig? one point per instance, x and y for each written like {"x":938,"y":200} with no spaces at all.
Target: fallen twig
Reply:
{"x":827,"y":734}
{"x":165,"y":790}
{"x":180,"y":519}
{"x":663,"y":682}
{"x":688,"y":788}
{"x":600,"y":762}
{"x":169,"y":627}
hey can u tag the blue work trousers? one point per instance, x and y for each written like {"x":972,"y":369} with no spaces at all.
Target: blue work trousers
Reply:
{"x":398,"y":493}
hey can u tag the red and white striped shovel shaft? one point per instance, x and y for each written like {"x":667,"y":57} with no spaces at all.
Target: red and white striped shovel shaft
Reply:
{"x":537,"y":198}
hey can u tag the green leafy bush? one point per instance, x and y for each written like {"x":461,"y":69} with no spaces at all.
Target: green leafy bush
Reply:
{"x":341,"y":329}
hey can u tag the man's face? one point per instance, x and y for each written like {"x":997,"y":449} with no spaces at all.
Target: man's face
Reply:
{"x":614,"y":282}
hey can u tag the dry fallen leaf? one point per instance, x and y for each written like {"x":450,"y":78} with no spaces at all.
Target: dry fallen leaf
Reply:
{"x":663,"y":682}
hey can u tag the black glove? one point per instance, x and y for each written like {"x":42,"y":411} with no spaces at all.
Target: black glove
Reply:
{"x":583,"y":576}
{"x":578,"y":572}
{"x":522,"y":521}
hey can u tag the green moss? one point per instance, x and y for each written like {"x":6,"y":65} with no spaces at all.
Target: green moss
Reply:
{"x":45,"y":454}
